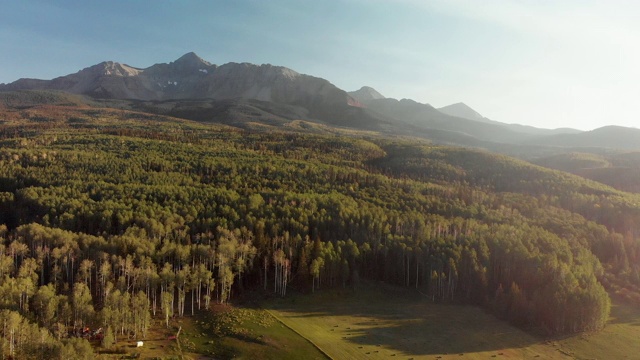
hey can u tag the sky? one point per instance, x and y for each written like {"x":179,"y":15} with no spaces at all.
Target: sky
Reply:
{"x":544,"y":63}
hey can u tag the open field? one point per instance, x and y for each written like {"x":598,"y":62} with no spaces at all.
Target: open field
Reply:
{"x":243,"y":333}
{"x":374,"y":325}
{"x":226,"y":332}
{"x":619,"y":340}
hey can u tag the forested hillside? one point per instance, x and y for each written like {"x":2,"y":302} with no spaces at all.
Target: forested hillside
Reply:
{"x":619,"y":169}
{"x":110,"y":217}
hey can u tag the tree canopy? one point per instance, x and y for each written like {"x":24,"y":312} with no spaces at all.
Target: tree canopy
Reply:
{"x":120,"y":218}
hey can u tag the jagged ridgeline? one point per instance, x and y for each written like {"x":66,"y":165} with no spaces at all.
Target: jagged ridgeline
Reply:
{"x":111,"y":217}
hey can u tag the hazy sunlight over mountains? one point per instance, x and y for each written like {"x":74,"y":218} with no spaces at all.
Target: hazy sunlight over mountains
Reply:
{"x":552,"y":64}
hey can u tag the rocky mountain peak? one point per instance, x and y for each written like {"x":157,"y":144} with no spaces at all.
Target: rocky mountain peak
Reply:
{"x":366,"y":93}
{"x":111,"y":68}
{"x":191,"y":59}
{"x":462,"y":110}
{"x":288,"y":73}
{"x":191,"y":77}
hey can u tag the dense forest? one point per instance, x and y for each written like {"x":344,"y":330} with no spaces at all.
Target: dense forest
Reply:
{"x":112,"y":218}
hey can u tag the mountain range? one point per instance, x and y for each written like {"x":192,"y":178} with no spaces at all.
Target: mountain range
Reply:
{"x":243,"y":94}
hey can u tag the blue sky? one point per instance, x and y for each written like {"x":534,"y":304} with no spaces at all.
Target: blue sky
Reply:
{"x":571,"y":63}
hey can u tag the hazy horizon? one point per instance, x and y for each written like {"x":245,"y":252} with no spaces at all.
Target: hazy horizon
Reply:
{"x":540,"y":64}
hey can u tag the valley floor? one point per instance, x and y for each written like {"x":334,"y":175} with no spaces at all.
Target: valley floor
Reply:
{"x":374,"y":322}
{"x":374,"y":325}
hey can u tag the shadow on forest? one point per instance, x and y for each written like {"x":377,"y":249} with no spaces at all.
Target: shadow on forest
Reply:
{"x":408,"y":324}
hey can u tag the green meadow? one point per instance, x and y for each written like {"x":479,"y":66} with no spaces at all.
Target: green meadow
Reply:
{"x":378,"y":325}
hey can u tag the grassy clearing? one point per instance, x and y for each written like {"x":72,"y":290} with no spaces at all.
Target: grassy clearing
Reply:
{"x":226,"y":332}
{"x":373,"y":324}
{"x":619,"y":340}
{"x":243,"y":333}
{"x":156,"y":345}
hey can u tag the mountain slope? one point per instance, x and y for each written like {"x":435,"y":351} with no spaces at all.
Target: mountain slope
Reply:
{"x":613,"y":137}
{"x":274,"y":95}
{"x":366,"y":94}
{"x":620,"y":170}
{"x":427,"y":117}
{"x":462,"y":110}
{"x":190,"y":77}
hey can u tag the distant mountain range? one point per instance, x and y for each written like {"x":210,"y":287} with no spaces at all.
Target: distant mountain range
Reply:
{"x":191,"y":77}
{"x":242,"y":93}
{"x":463,"y":111}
